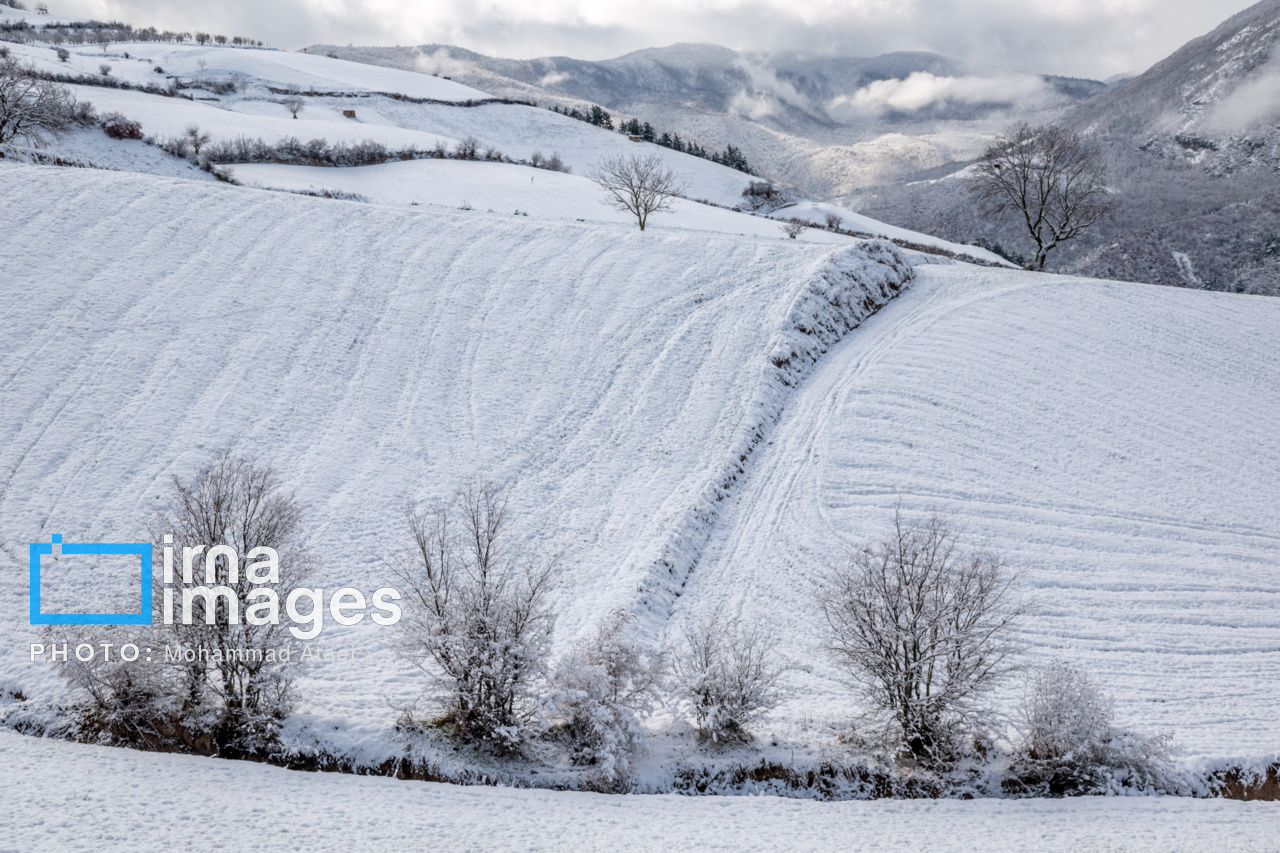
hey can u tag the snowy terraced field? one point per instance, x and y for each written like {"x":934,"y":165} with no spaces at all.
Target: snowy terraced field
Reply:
{"x":379,"y":355}
{"x":1117,"y":442}
{"x":700,"y":417}
{"x":515,"y":130}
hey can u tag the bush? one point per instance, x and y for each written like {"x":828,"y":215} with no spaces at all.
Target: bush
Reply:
{"x":476,"y":617}
{"x":119,"y":127}
{"x":466,"y":149}
{"x":104,"y":69}
{"x":1070,"y":742}
{"x":601,"y":688}
{"x":83,"y":113}
{"x":63,"y":54}
{"x":921,"y":627}
{"x":729,"y":676}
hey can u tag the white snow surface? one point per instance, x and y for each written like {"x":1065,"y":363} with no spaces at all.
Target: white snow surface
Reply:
{"x":683,"y":411}
{"x":1117,"y":441}
{"x":90,"y":797}
{"x":515,"y":130}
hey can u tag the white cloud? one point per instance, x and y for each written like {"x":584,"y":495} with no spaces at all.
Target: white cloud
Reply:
{"x":1094,"y":38}
{"x":439,"y":62}
{"x":1251,"y":102}
{"x":922,"y":89}
{"x":765,"y":93}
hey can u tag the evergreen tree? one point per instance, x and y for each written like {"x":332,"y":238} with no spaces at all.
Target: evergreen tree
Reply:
{"x":647,"y":133}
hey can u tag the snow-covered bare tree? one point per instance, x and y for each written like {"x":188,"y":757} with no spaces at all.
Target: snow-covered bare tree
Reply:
{"x":1070,"y":741}
{"x":729,"y":674}
{"x":921,"y":627}
{"x":793,"y":229}
{"x":639,"y":184}
{"x":1049,"y":178}
{"x":238,"y":502}
{"x":601,"y":688}
{"x":477,"y":620}
{"x":194,"y":139}
{"x":293,"y":103}
{"x":31,"y":107}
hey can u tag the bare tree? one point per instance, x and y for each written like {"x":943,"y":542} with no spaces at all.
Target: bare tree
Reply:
{"x":467,"y":149}
{"x":63,"y":54}
{"x":477,"y":619}
{"x":729,"y":675}
{"x":294,"y":104}
{"x":1049,"y":177}
{"x":237,"y":502}
{"x":31,"y":107}
{"x":194,"y":139}
{"x":104,"y":69}
{"x":638,"y":184}
{"x":793,"y":229}
{"x":921,"y":628}
{"x":833,"y":221}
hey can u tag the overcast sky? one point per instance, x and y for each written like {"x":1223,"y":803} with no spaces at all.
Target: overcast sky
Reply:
{"x":1087,"y":38}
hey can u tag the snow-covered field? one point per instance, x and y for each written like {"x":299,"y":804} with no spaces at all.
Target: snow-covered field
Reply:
{"x":698,"y":416}
{"x":515,"y":130}
{"x":1112,"y":439}
{"x":86,"y":797}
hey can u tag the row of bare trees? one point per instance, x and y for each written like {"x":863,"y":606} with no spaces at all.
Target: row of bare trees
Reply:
{"x":919,"y":625}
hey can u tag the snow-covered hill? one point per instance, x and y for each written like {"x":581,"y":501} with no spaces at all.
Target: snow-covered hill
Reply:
{"x":232,"y":95}
{"x":1114,"y":439}
{"x":826,"y":124}
{"x":698,"y":416}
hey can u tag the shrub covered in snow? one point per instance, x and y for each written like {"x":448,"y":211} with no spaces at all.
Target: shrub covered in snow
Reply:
{"x":921,"y":628}
{"x":118,"y":126}
{"x":600,"y":691}
{"x":729,"y":675}
{"x":476,"y":616}
{"x":1071,"y":744}
{"x":216,"y":703}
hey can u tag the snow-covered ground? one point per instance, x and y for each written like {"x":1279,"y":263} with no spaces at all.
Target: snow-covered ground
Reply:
{"x":515,"y":130}
{"x":87,"y":797}
{"x":1117,"y":442}
{"x":1112,"y":439}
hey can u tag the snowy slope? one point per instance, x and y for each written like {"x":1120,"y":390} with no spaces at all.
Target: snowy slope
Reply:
{"x":515,"y":130}
{"x":1114,"y":439}
{"x":376,"y":356}
{"x":117,"y":799}
{"x":1117,"y":442}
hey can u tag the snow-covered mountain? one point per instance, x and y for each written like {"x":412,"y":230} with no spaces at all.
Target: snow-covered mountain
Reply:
{"x":1193,"y":146}
{"x":825,"y":124}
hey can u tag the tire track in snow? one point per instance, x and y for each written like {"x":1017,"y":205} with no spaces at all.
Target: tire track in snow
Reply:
{"x":843,"y":290}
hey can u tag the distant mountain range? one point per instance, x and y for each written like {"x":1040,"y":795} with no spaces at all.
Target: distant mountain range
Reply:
{"x":1193,"y":146}
{"x":824,"y":124}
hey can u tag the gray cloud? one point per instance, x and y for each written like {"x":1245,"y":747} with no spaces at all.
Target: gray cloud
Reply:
{"x":1094,"y":38}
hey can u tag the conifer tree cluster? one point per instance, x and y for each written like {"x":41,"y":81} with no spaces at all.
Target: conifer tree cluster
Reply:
{"x":731,"y":156}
